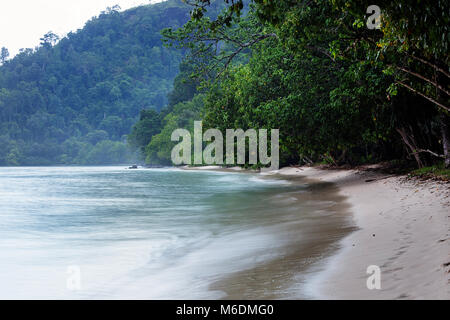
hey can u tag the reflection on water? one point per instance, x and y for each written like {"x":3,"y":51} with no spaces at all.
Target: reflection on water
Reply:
{"x":162,"y":233}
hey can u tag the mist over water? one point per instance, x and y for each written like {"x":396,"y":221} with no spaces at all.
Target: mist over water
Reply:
{"x":162,"y":233}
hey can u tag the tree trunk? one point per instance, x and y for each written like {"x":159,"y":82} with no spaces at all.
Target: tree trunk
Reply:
{"x":410,"y":142}
{"x":445,"y":126}
{"x":444,"y":122}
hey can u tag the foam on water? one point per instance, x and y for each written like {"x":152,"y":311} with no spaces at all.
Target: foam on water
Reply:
{"x":139,"y":234}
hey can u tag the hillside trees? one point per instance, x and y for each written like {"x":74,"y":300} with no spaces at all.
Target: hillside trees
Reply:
{"x":97,"y":79}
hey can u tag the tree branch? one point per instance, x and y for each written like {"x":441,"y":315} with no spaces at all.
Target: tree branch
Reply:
{"x":422,"y":95}
{"x":321,"y":51}
{"x":425,"y":79}
{"x":430,"y":152}
{"x":243,"y":46}
{"x":430,"y":64}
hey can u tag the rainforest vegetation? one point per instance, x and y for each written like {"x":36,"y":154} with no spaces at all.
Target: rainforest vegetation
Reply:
{"x":341,"y":88}
{"x":73,"y":100}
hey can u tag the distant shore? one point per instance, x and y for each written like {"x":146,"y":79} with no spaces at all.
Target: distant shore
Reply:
{"x":403,"y":226}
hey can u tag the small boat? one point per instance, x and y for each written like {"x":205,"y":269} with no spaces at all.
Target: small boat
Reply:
{"x":133,"y":166}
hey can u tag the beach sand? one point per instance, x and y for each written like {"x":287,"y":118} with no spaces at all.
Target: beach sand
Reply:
{"x":403,"y":227}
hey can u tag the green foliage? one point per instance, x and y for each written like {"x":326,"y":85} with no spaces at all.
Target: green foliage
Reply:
{"x":148,"y":125}
{"x":215,"y":41}
{"x":319,"y":109}
{"x":184,"y":114}
{"x":338,"y":92}
{"x":437,"y":171}
{"x":329,"y":83}
{"x":4,"y":55}
{"x":89,"y":87}
{"x":160,"y":126}
{"x":104,"y":152}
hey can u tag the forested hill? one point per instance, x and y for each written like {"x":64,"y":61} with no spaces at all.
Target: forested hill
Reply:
{"x":74,"y":100}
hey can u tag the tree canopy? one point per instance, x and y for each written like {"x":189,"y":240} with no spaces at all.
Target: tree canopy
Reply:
{"x":74,"y":100}
{"x":338,"y":91}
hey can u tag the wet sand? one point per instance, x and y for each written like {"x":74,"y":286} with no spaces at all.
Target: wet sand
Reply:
{"x":325,"y":220}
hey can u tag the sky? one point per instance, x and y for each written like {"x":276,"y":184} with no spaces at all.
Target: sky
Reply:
{"x":24,"y":22}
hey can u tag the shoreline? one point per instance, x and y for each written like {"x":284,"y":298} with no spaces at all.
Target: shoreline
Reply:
{"x":317,"y":217}
{"x":402,"y":226}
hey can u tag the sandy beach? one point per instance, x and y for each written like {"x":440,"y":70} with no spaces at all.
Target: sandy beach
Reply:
{"x":403,"y":227}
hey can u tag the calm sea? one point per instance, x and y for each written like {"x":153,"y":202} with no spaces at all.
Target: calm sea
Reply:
{"x":113,"y":233}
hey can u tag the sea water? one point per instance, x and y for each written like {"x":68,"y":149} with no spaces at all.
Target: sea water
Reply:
{"x":113,"y":233}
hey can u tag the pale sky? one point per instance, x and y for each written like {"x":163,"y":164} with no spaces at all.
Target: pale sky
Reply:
{"x":24,"y":22}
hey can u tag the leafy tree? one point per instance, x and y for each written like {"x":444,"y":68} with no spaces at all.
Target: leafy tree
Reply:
{"x":158,"y":151}
{"x":4,"y":55}
{"x":357,"y":106}
{"x":148,"y":125}
{"x":49,"y":39}
{"x":213,"y":44}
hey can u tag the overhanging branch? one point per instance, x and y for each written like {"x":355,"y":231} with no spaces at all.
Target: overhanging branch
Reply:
{"x":415,"y":74}
{"x":423,"y":95}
